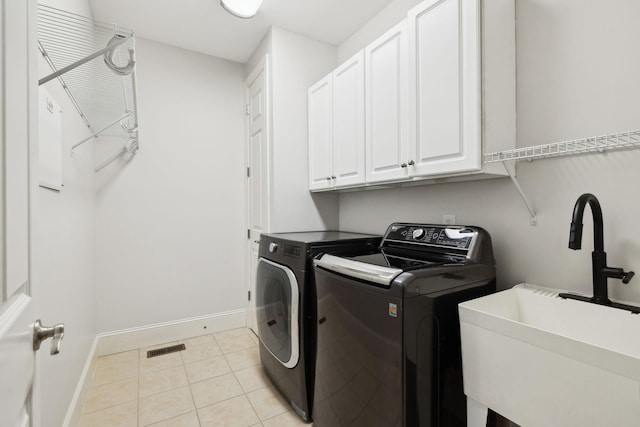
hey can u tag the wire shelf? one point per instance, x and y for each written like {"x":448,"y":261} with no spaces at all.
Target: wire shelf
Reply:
{"x":615,"y":141}
{"x":95,"y":63}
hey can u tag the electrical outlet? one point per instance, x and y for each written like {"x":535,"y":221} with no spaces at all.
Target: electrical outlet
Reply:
{"x":449,"y":219}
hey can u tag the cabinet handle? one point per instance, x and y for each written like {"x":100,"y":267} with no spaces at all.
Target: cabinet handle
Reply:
{"x":333,"y":177}
{"x":411,"y":163}
{"x":403,"y":165}
{"x":328,"y":178}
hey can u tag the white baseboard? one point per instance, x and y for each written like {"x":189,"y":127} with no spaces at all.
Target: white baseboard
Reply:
{"x":131,"y":339}
{"x":77,"y":402}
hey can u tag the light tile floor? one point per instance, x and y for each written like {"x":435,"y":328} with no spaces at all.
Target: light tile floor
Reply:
{"x":216,"y":381}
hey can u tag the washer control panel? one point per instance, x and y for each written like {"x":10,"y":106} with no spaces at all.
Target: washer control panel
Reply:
{"x":432,"y":235}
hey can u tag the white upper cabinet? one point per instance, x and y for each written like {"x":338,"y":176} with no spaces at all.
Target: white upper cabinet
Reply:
{"x":439,"y":91}
{"x":336,"y":127}
{"x":386,"y":77}
{"x":444,"y":67}
{"x":348,"y":122}
{"x":321,"y":134}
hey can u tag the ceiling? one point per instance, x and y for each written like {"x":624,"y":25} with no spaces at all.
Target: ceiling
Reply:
{"x":203,"y":26}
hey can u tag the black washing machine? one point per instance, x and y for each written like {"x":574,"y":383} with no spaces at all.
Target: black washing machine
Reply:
{"x":388,"y":330}
{"x":286,"y":306}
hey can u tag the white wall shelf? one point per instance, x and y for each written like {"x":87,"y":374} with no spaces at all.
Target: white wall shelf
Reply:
{"x":95,"y":64}
{"x":595,"y":144}
{"x":614,"y":141}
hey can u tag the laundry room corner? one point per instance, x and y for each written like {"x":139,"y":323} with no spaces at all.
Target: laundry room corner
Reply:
{"x":169,"y":236}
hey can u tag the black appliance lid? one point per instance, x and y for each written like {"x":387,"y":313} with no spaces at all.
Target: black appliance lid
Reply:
{"x":402,"y":260}
{"x":321,"y":237}
{"x":407,"y":247}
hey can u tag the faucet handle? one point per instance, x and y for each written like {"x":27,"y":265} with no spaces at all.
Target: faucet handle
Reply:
{"x":618,"y":273}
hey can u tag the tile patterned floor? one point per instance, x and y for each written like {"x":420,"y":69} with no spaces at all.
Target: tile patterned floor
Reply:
{"x":216,"y":381}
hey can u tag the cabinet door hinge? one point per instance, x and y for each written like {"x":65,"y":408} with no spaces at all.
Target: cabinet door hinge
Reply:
{"x":248,"y":233}
{"x":249,"y":295}
{"x":248,"y":109}
{"x":248,"y":172}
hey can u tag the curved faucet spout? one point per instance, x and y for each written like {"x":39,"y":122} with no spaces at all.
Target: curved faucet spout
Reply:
{"x":575,"y":234}
{"x":599,"y":268}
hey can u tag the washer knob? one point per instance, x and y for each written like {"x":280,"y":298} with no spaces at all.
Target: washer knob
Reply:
{"x":273,"y":247}
{"x":418,"y":234}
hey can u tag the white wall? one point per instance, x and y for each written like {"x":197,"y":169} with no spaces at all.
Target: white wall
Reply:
{"x":395,"y":12}
{"x":576,"y":77}
{"x":64,"y":256}
{"x":264,"y":48}
{"x":296,"y":62}
{"x":170,"y":222}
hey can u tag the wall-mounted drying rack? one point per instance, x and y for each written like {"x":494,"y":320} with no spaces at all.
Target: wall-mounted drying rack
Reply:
{"x":600,"y":144}
{"x":95,"y":64}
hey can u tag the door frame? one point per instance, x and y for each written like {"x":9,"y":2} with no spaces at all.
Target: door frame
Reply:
{"x":261,"y":67}
{"x":20,"y":305}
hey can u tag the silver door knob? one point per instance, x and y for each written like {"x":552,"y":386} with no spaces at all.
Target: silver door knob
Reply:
{"x":411,"y":163}
{"x":403,"y":165}
{"x":41,"y":333}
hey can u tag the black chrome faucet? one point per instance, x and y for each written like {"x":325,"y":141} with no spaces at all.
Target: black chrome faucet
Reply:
{"x":599,"y":257}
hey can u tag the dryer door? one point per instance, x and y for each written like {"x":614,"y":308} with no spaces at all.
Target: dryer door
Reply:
{"x":277,"y":306}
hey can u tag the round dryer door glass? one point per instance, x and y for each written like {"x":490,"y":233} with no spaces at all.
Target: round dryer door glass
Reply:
{"x":277,"y":311}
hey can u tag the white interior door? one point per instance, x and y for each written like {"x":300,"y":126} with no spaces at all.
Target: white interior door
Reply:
{"x":258,"y":173}
{"x":17,"y":308}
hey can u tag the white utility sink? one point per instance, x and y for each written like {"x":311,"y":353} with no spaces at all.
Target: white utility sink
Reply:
{"x":541,"y":360}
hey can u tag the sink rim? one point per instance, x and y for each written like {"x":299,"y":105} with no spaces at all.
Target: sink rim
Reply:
{"x":613,"y":360}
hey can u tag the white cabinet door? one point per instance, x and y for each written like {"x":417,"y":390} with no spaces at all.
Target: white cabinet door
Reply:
{"x":386,"y":105}
{"x":348,"y":122}
{"x":321,"y":134}
{"x":445,"y":87}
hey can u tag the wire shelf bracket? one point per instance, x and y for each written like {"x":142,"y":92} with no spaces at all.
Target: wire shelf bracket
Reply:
{"x":597,"y":144}
{"x":533,"y":219}
{"x":103,"y":92}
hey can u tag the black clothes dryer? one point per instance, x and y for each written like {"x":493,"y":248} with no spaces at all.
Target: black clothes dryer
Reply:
{"x":286,"y":306}
{"x":388,"y":331}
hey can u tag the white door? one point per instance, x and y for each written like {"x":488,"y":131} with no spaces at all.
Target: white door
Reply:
{"x":18,"y":117}
{"x":258,"y":173}
{"x":445,"y":76}
{"x":386,"y":91}
{"x":348,"y":122}
{"x":320,"y":99}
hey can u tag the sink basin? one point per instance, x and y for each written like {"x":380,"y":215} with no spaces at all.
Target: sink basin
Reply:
{"x":541,"y":360}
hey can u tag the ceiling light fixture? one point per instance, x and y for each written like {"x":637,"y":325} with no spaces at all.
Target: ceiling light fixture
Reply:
{"x":241,"y":8}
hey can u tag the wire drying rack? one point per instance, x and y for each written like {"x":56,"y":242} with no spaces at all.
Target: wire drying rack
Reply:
{"x":601,"y":144}
{"x":95,"y":64}
{"x":615,"y":141}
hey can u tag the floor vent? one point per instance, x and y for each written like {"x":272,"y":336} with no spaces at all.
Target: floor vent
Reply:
{"x":165,"y":350}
